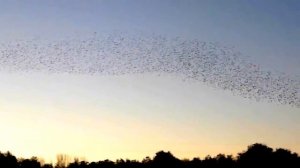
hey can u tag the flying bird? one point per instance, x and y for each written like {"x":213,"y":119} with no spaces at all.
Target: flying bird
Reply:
{"x":118,"y":54}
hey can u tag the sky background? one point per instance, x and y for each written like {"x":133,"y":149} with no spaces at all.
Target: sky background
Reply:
{"x":133,"y":116}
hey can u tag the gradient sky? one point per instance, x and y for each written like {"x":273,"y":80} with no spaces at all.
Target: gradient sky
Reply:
{"x":134,"y":116}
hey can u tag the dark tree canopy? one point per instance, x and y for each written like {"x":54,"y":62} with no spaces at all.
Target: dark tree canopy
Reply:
{"x":256,"y":156}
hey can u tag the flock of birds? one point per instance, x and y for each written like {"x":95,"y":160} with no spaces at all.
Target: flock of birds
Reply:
{"x":118,"y":54}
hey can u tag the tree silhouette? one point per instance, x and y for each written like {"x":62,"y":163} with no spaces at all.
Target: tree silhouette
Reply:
{"x":256,"y":156}
{"x":225,"y":161}
{"x":285,"y":158}
{"x":165,"y":159}
{"x":47,"y":166}
{"x":8,"y":160}
{"x":29,"y":163}
{"x":62,"y":160}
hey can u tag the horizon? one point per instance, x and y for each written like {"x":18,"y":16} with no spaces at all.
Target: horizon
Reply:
{"x":71,"y":159}
{"x":79,"y":128}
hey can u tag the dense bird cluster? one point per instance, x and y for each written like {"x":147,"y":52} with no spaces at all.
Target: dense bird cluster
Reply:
{"x":213,"y":64}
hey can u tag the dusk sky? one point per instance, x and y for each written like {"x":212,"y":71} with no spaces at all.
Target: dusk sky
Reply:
{"x":135,"y":115}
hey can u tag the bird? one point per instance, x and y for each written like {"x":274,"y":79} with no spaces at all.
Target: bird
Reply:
{"x":210,"y":63}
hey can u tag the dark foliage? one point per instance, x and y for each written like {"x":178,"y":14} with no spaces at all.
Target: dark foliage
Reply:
{"x":256,"y":156}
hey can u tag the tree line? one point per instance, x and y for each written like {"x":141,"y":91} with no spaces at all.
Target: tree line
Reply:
{"x":256,"y":156}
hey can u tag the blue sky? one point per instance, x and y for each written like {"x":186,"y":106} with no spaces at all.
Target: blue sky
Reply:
{"x":267,"y":30}
{"x":147,"y":113}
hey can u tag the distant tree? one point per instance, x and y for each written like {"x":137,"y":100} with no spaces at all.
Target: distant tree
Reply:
{"x":62,"y":160}
{"x":30,"y":163}
{"x":147,"y":162}
{"x":78,"y":162}
{"x":257,"y":155}
{"x":93,"y":165}
{"x":209,"y":162}
{"x":186,"y":163}
{"x":106,"y":164}
{"x":47,"y":166}
{"x":225,"y":161}
{"x":120,"y":162}
{"x":75,"y":164}
{"x":195,"y":163}
{"x":83,"y":164}
{"x":285,"y":158}
{"x":8,"y":160}
{"x":165,"y":159}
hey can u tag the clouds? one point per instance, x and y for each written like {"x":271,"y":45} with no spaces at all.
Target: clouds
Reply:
{"x":121,"y":53}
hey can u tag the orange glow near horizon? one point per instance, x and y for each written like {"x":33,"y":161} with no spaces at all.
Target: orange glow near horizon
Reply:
{"x":128,"y":118}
